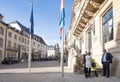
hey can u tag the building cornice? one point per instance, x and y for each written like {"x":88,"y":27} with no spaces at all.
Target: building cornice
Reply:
{"x":89,"y":8}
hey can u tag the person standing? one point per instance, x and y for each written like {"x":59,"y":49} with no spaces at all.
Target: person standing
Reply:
{"x":84,"y":62}
{"x":94,"y":67}
{"x":106,"y":60}
{"x":88,"y":64}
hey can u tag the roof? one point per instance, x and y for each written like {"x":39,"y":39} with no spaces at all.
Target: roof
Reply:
{"x":4,"y":23}
{"x":1,"y":15}
{"x":40,"y":39}
{"x":23,"y":28}
{"x":51,"y":46}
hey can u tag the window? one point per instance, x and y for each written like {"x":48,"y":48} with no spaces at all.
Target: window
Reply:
{"x":34,"y":43}
{"x":1,"y":42}
{"x":9,"y":43}
{"x":28,"y":49}
{"x":24,"y":32}
{"x":1,"y":30}
{"x":89,"y":39}
{"x":108,"y":26}
{"x":15,"y":45}
{"x":93,"y":28}
{"x":28,"y":41}
{"x":10,"y":34}
{"x":20,"y":39}
{"x":24,"y":48}
{"x":15,"y":37}
{"x":80,"y":47}
{"x":25,"y":41}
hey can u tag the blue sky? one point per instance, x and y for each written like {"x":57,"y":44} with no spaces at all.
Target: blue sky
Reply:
{"x":46,"y":22}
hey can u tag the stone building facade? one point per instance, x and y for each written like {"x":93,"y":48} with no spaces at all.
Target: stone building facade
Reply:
{"x":14,"y":42}
{"x":95,"y":25}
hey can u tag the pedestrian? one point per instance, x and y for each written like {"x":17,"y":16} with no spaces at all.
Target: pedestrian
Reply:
{"x":84,"y":61}
{"x":106,"y":60}
{"x":94,"y":67}
{"x":88,"y":64}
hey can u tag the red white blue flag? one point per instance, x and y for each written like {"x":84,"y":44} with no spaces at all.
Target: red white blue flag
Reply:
{"x":61,"y":16}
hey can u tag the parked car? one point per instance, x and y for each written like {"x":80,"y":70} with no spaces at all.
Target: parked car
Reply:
{"x":14,"y":60}
{"x":6,"y":60}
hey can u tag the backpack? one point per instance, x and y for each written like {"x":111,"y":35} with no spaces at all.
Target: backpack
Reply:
{"x":93,"y":64}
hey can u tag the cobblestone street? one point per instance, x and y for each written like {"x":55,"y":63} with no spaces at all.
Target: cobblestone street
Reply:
{"x":48,"y":71}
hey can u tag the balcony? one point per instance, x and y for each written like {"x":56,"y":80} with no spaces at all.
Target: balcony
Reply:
{"x":13,"y":49}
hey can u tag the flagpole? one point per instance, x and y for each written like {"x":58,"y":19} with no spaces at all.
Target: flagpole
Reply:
{"x":62,"y":54}
{"x":29,"y":61}
{"x":61,"y":24}
{"x":30,"y":39}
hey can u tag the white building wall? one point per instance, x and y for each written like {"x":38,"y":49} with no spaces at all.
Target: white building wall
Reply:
{"x":97,"y":40}
{"x":51,"y":53}
{"x":3,"y":37}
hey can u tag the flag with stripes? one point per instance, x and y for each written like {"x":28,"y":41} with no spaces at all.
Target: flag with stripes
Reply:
{"x":61,"y":16}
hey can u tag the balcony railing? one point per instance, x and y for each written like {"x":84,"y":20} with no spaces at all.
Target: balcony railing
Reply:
{"x":13,"y":49}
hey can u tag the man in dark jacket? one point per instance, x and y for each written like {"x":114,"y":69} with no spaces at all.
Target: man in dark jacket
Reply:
{"x":84,"y":61}
{"x":106,"y":60}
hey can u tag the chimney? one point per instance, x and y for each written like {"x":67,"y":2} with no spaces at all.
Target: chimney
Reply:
{"x":1,"y":17}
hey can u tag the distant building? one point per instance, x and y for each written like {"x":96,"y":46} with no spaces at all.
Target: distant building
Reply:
{"x":51,"y":51}
{"x":57,"y":49}
{"x":14,"y":42}
{"x":3,"y":28}
{"x":39,"y":47}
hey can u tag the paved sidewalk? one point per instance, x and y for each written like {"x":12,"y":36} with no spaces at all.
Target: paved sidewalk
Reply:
{"x":52,"y":77}
{"x":45,"y":72}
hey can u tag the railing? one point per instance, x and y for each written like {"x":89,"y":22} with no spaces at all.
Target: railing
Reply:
{"x":13,"y":48}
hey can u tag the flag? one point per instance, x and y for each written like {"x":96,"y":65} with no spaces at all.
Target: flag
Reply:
{"x":60,"y":33}
{"x":31,"y":21}
{"x":62,"y":15}
{"x":60,"y":30}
